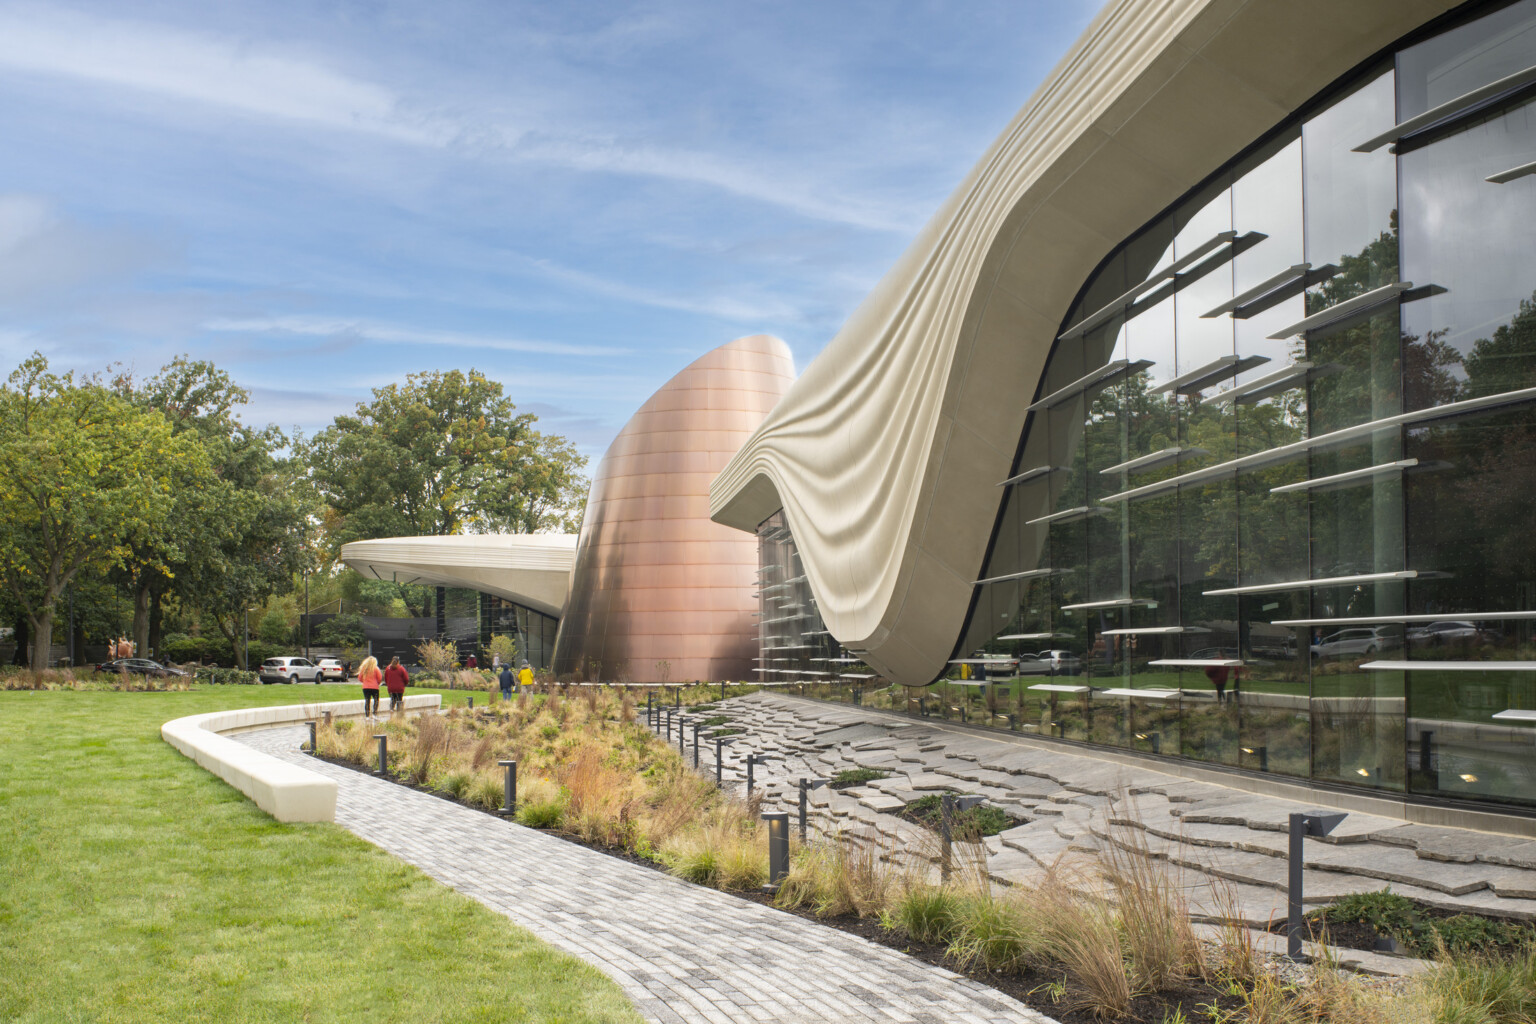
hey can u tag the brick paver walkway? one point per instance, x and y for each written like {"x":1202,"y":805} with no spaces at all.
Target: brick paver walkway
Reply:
{"x":681,"y":952}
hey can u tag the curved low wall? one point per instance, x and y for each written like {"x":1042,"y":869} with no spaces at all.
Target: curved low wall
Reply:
{"x":285,"y":791}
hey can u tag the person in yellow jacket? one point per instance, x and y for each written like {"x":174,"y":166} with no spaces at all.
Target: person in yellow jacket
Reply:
{"x":524,"y":678}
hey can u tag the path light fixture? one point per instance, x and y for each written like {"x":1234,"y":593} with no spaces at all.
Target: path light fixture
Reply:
{"x":509,"y":789}
{"x":1303,"y":824}
{"x":681,"y":721}
{"x":720,"y":742}
{"x":383,"y":739}
{"x":327,"y":719}
{"x":669,"y":725}
{"x":949,"y":806}
{"x":753,"y":759}
{"x":313,"y":746}
{"x":722,"y":689}
{"x":471,"y":702}
{"x":778,"y":849}
{"x":806,"y":785}
{"x":697,"y":725}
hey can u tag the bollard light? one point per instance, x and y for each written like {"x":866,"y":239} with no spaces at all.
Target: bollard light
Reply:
{"x":778,"y":849}
{"x":383,"y":739}
{"x":697,"y":725}
{"x":669,"y":725}
{"x":327,"y":719}
{"x":753,"y":759}
{"x":806,"y":785}
{"x":509,"y":788}
{"x":314,"y":748}
{"x":722,"y":689}
{"x":949,"y":805}
{"x":720,"y":742}
{"x":471,"y":702}
{"x":1303,"y":824}
{"x":677,"y":697}
{"x":680,"y":751}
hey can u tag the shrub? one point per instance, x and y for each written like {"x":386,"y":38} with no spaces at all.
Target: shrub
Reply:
{"x":982,"y":820}
{"x":992,"y":932}
{"x":437,"y":657}
{"x":926,"y":913}
{"x":856,"y":777}
{"x":456,"y":784}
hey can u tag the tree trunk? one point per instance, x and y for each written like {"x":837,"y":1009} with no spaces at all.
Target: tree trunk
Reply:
{"x":154,"y":624}
{"x":22,"y":630}
{"x":42,"y":639}
{"x":141,"y":596}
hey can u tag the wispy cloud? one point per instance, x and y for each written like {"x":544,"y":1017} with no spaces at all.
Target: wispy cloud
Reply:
{"x":393,"y":334}
{"x":771,"y":185}
{"x":204,"y":68}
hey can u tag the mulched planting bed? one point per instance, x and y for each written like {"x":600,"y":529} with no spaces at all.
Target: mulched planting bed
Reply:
{"x":1050,"y":992}
{"x":984,"y":820}
{"x":1363,"y":920}
{"x":857,"y":777}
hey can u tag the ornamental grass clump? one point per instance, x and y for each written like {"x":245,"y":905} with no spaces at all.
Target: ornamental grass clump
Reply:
{"x":584,"y":768}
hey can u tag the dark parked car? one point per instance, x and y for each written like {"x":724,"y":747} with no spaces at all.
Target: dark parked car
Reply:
{"x":139,"y":667}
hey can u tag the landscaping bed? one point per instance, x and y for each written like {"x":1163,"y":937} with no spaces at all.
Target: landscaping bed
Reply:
{"x":1110,"y":940}
{"x":981,"y":820}
{"x":1362,"y":920}
{"x":852,"y":777}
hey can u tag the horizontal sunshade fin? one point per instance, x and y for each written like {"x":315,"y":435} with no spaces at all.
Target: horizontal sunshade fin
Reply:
{"x":1371,"y":620}
{"x":1059,"y":688}
{"x":1151,"y":630}
{"x":1124,"y":691}
{"x":1028,"y":574}
{"x":1331,"y":581}
{"x":1202,"y":377}
{"x":1450,"y":108}
{"x":1290,"y":275}
{"x":1325,"y":482}
{"x":1103,"y":376}
{"x":1290,"y":371}
{"x":1119,"y":602}
{"x":1146,"y":463}
{"x":1032,"y":636}
{"x":1450,"y":666}
{"x":1512,"y":173}
{"x":1342,"y":436}
{"x":1068,"y":515}
{"x":1031,"y":474}
{"x":1349,"y":307}
{"x":1165,"y":273}
{"x":1198,"y":662}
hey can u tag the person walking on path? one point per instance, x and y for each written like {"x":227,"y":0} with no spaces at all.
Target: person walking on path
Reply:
{"x":496,"y":664}
{"x":524,"y":677}
{"x":506,"y":680}
{"x":396,"y":678}
{"x":369,"y":675}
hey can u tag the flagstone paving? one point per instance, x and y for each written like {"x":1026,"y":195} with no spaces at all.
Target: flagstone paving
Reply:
{"x":1230,"y":846}
{"x":684,"y":954}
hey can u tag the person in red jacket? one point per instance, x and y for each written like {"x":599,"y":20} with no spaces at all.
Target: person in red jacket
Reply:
{"x":396,"y":678}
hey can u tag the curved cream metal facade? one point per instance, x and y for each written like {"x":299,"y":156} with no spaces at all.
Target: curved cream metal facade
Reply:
{"x":655,"y":581}
{"x":532,"y":569}
{"x":886,"y":453}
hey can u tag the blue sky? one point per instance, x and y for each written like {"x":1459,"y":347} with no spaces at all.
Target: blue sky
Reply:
{"x":576,"y":199}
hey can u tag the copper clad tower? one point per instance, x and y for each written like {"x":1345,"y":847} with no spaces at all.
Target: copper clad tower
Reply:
{"x":658,"y":591}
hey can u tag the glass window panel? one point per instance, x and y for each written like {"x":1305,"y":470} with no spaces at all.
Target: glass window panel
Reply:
{"x":1457,"y":61}
{"x":1458,"y":749}
{"x":1358,"y":725}
{"x":1471,"y":237}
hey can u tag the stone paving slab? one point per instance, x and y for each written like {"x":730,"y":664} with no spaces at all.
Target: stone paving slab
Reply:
{"x":1073,"y":800}
{"x":684,"y":954}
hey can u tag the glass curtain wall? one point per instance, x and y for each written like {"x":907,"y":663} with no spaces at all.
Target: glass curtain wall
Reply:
{"x":1270,"y":503}
{"x":533,"y":630}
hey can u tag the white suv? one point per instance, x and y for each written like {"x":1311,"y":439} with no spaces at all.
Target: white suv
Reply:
{"x":330,"y":668}
{"x":289,"y":670}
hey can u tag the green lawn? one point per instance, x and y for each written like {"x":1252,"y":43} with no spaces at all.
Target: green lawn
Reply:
{"x":134,"y":886}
